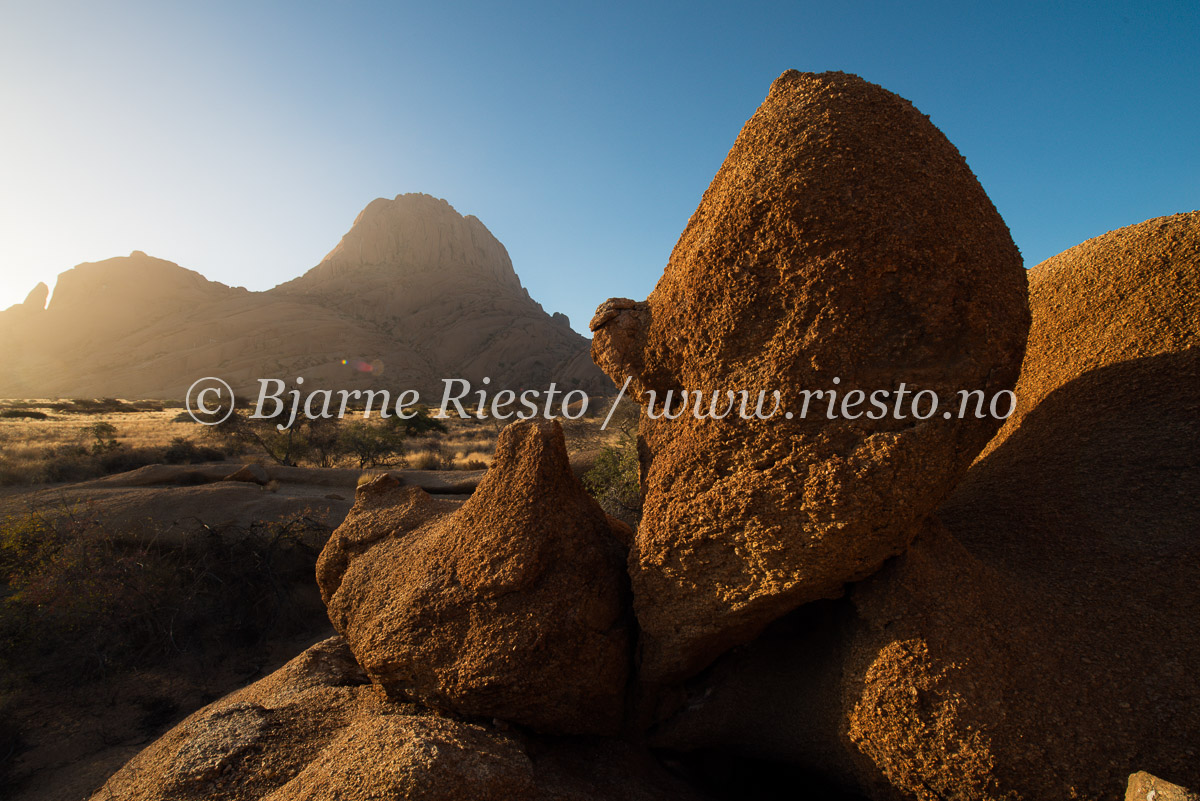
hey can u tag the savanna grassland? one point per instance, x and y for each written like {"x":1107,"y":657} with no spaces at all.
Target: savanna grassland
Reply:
{"x":51,"y":441}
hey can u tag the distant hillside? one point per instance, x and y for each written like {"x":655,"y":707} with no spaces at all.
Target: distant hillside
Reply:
{"x":413,"y":293}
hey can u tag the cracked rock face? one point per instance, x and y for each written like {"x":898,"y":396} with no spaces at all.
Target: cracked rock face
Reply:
{"x":514,"y":606}
{"x":843,"y":245}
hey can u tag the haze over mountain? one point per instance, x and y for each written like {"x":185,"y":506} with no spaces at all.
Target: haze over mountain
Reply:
{"x":413,"y":294}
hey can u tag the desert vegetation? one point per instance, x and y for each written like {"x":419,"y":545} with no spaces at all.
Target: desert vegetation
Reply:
{"x":46,"y":442}
{"x":53,"y":442}
{"x":608,"y":462}
{"x":82,"y":599}
{"x":84,"y":604}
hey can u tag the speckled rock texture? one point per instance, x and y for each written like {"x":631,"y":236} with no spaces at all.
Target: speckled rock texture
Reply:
{"x":1089,"y":500}
{"x":515,"y":606}
{"x":1145,"y":787}
{"x":843,"y":238}
{"x":316,"y":729}
{"x":1043,"y":642}
{"x":1133,"y":293}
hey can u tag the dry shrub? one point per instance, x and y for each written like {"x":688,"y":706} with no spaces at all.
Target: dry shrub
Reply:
{"x":28,"y":464}
{"x":475,"y":460}
{"x":426,"y":460}
{"x":613,"y":480}
{"x":82,"y":600}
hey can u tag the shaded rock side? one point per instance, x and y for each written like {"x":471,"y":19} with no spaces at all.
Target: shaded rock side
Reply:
{"x":1043,"y":643}
{"x":843,"y":245}
{"x":942,"y":676}
{"x":1129,"y":294}
{"x":1090,"y":497}
{"x":316,"y":729}
{"x":515,"y":606}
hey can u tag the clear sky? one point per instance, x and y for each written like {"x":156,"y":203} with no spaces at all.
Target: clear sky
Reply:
{"x":241,"y":139}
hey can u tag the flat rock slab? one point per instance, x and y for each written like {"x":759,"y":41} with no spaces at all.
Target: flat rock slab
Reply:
{"x":317,"y":729}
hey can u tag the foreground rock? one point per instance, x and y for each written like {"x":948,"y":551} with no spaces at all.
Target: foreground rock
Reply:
{"x":1043,"y":644}
{"x":515,"y":606}
{"x":843,"y":245}
{"x":316,"y":729}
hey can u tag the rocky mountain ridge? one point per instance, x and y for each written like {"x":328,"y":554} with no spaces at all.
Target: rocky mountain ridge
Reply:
{"x":414,"y":293}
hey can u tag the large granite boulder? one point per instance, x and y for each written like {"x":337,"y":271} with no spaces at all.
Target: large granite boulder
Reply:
{"x":1042,"y":643}
{"x":515,"y":606}
{"x":1089,"y":501}
{"x":844,"y":246}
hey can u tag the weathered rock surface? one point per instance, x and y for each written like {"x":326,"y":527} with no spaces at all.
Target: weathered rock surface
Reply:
{"x":843,"y":245}
{"x":1090,"y":497}
{"x":1043,"y":643}
{"x":1145,"y":787}
{"x":250,"y":473}
{"x":316,"y":729}
{"x":1130,"y":294}
{"x":413,"y":294}
{"x":515,"y":606}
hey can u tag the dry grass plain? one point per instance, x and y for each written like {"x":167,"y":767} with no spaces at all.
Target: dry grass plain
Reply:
{"x":46,"y":441}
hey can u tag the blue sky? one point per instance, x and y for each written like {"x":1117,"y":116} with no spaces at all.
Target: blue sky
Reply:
{"x":241,"y":139}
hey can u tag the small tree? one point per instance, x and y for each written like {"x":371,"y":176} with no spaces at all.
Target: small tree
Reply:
{"x":373,"y":444}
{"x":285,"y":447}
{"x":105,"y":435}
{"x":423,"y":422}
{"x":324,"y":437}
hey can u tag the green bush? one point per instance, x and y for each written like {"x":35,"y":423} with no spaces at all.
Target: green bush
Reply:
{"x":614,"y":482}
{"x":422,"y":422}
